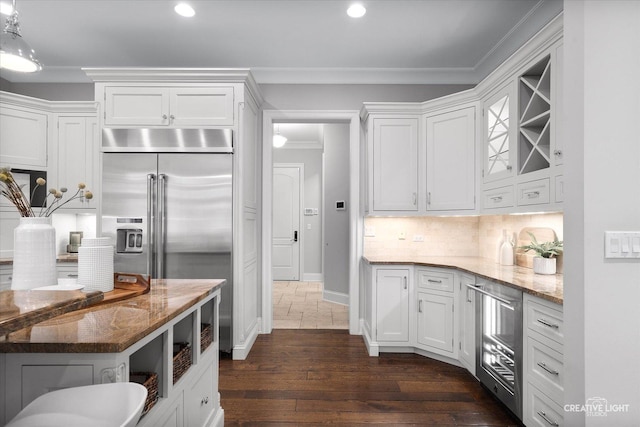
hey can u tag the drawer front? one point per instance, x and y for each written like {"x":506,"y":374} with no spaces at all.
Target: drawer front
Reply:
{"x":533,"y":192}
{"x":200,"y":400}
{"x":5,"y":280}
{"x":545,"y":321}
{"x":67,"y":272}
{"x":436,"y":280}
{"x":545,"y":368}
{"x":540,"y":410}
{"x":498,"y":198}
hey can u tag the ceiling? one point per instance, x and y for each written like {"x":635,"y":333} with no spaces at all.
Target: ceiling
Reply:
{"x":283,"y":41}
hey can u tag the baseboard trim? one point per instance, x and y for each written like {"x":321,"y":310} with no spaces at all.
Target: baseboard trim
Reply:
{"x":312,"y":277}
{"x":336,"y":297}
{"x":241,"y":351}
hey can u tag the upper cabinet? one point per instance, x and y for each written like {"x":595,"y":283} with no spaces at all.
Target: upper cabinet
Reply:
{"x":421,"y":161}
{"x":75,"y":160}
{"x":23,"y":133}
{"x":395,"y":164}
{"x":168,"y":106}
{"x":451,"y":160}
{"x":499,"y":134}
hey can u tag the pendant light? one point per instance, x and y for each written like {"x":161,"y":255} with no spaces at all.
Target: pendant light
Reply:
{"x":278,"y":140}
{"x":15,"y":52}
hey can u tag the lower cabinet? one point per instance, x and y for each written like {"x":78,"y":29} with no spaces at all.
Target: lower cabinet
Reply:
{"x":6,"y":270}
{"x":173,"y":416}
{"x":543,"y":367}
{"x":392,"y":305}
{"x":435,"y":323}
{"x":200,"y":401}
{"x":467,"y":310}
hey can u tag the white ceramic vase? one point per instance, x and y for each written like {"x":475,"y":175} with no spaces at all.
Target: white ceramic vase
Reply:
{"x":34,"y":254}
{"x":544,"y":265}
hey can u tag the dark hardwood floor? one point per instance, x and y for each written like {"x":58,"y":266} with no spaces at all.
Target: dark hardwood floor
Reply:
{"x":306,"y":377}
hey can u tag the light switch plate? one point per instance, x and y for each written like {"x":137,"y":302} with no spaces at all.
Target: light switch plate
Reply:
{"x":622,"y":244}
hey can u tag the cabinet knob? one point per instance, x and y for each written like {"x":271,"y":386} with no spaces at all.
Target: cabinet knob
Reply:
{"x":164,"y":117}
{"x":205,"y":400}
{"x":172,"y":117}
{"x":509,"y":167}
{"x":557,"y":152}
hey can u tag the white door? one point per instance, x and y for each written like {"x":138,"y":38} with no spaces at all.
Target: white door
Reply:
{"x":286,"y":223}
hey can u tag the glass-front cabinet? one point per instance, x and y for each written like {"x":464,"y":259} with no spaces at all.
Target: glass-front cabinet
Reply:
{"x":499,"y":133}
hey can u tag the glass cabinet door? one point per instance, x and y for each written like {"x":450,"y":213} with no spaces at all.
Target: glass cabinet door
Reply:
{"x":499,"y":129}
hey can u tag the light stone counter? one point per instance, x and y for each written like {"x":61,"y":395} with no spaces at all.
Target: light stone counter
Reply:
{"x":549,"y":287}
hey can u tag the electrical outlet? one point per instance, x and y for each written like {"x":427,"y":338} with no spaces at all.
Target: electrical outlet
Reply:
{"x":369,"y":231}
{"x":402,"y":235}
{"x":418,"y":238}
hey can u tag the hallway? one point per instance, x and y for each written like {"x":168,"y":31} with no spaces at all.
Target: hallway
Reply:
{"x":299,"y":305}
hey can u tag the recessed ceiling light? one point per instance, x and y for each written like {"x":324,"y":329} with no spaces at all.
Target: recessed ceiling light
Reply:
{"x":185,"y":10}
{"x":356,"y":11}
{"x":5,"y":8}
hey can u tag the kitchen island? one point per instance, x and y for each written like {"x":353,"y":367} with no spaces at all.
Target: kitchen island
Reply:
{"x":170,"y":333}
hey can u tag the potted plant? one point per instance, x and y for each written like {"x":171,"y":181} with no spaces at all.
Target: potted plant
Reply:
{"x":544,"y":262}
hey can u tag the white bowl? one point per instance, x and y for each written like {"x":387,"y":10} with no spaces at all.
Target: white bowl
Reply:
{"x":115,"y":404}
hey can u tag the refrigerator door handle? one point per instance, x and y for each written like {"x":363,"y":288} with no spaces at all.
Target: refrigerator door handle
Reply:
{"x":151,"y":180}
{"x":162,"y":221}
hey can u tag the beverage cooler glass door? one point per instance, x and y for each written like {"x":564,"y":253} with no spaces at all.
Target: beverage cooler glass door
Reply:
{"x":498,"y":340}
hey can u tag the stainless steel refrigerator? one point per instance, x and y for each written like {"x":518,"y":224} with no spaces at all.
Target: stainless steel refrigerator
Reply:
{"x":169,"y":210}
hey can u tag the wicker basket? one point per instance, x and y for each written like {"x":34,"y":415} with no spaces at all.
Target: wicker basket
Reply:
{"x":150,"y":381}
{"x":206,"y":336}
{"x":181,"y":359}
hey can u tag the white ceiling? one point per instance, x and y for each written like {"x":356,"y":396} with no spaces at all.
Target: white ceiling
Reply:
{"x":283,"y":41}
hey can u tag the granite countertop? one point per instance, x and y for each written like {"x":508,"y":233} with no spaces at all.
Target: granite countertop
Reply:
{"x":111,"y":328}
{"x":19,"y":309}
{"x":61,"y":258}
{"x":549,"y":287}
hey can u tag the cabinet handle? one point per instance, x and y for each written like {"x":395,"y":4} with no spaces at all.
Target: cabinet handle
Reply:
{"x":415,"y":199}
{"x":548,"y":324}
{"x":551,"y":371}
{"x":164,"y":117}
{"x":419,"y":306}
{"x":73,"y":275}
{"x":496,"y":199}
{"x":557,"y":152}
{"x":204,"y":401}
{"x":532,"y":194}
{"x":547,"y":419}
{"x":434,"y":281}
{"x":429,"y":198}
{"x":405,"y":282}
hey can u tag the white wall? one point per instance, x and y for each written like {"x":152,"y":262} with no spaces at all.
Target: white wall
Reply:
{"x":347,"y":97}
{"x":602,"y":170}
{"x":336,"y":235}
{"x":311,"y":239}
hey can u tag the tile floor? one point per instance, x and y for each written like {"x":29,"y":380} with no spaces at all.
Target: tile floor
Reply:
{"x":299,"y":305}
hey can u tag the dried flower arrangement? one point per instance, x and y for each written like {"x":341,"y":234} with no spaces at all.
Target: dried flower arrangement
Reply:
{"x":10,"y":189}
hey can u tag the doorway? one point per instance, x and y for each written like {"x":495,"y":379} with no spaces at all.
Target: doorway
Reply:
{"x":348,"y":208}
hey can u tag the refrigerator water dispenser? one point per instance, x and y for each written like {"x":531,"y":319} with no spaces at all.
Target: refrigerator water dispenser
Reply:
{"x":129,"y":240}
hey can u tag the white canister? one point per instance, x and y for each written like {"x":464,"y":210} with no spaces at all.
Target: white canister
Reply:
{"x":95,"y":264}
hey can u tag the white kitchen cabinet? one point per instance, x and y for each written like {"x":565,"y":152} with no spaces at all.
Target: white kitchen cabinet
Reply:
{"x":435,"y":307}
{"x":435,"y":323}
{"x":6,"y":271}
{"x":168,"y":106}
{"x":392,"y":305}
{"x":395,"y":164}
{"x":23,"y":134}
{"x":467,"y":313}
{"x":76,"y":158}
{"x":499,"y":134}
{"x":451,"y":160}
{"x":543,"y":362}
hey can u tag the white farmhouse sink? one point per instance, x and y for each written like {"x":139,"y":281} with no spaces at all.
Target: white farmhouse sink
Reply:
{"x":101,"y":405}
